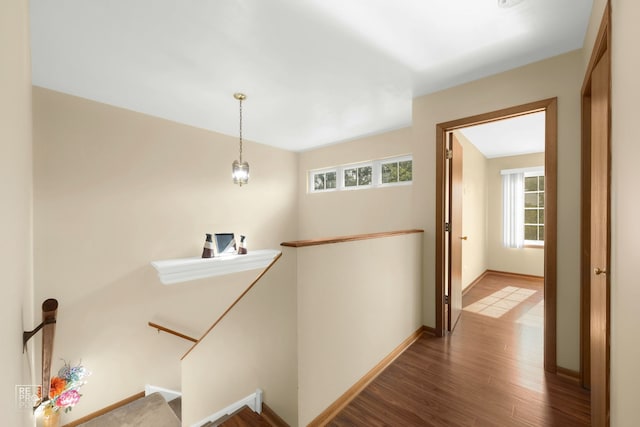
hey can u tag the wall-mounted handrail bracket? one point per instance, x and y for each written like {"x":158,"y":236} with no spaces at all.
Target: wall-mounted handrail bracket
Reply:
{"x":49,"y":313}
{"x":26,"y":335}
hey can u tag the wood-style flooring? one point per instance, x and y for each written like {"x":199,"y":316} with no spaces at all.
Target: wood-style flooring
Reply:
{"x":489,"y":372}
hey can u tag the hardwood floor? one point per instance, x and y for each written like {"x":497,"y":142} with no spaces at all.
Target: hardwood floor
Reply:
{"x":489,"y":372}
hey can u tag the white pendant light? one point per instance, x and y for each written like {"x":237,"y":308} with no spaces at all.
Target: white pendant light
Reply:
{"x":240,"y":169}
{"x":508,"y":3}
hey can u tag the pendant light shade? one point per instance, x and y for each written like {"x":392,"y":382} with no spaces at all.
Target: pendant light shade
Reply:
{"x":240,"y":172}
{"x":240,"y":169}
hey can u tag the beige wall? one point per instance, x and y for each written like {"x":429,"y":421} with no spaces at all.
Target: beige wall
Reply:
{"x":625,"y":232}
{"x":115,"y":190}
{"x":474,"y":212}
{"x":359,"y":211}
{"x":555,"y":77}
{"x":254,"y":346}
{"x":368,"y":210}
{"x":524,"y":260}
{"x":16,"y":292}
{"x":357,"y":301}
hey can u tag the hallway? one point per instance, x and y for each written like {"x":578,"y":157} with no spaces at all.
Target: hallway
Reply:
{"x":489,"y":372}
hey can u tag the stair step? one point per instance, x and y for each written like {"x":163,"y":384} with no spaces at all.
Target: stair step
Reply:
{"x":176,"y":407}
{"x":149,"y":411}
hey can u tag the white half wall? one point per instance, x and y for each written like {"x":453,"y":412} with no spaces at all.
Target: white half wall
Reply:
{"x":357,"y":302}
{"x":254,"y":346}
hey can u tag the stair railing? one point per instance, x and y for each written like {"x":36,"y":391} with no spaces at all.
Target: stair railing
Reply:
{"x":48,"y":326}
{"x":256,"y":280}
{"x":161,"y":328}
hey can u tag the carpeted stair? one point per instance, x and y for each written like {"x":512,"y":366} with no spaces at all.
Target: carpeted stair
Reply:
{"x":154,"y":411}
{"x":176,"y":407}
{"x":149,"y":411}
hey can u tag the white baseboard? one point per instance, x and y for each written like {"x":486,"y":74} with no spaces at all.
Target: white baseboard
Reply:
{"x":168,"y":395}
{"x":253,"y":401}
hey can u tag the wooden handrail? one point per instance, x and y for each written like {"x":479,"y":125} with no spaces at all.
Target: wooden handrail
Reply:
{"x":342,"y":239}
{"x":234,"y":304}
{"x":172,"y":332}
{"x":49,"y":313}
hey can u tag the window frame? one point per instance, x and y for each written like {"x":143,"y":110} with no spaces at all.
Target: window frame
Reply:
{"x":529,"y":174}
{"x":357,"y":166}
{"x":376,"y":175}
{"x":325,"y":171}
{"x":396,"y":160}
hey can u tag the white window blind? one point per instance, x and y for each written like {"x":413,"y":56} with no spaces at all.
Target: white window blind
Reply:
{"x":513,"y":206}
{"x":513,"y":210}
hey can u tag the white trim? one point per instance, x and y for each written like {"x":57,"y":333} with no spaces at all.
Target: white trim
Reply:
{"x":394,"y":184}
{"x":168,"y":395}
{"x":398,"y":159}
{"x":172,"y":271}
{"x":532,"y":170}
{"x":312,"y":174}
{"x":529,"y":174}
{"x":357,"y":166}
{"x":253,"y":401}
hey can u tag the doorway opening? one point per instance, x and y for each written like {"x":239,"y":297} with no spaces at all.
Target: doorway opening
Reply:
{"x":450,"y":238}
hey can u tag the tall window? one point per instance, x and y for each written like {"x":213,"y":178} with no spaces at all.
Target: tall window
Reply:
{"x":534,"y":208}
{"x":523,"y":207}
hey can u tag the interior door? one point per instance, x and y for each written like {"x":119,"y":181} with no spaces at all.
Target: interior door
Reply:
{"x":455,"y":233}
{"x":599,"y":311}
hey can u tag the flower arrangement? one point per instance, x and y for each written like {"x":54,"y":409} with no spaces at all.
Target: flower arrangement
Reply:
{"x":63,"y":393}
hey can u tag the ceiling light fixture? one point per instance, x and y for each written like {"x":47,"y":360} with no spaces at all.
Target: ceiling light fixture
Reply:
{"x":240,"y":169}
{"x":508,"y":3}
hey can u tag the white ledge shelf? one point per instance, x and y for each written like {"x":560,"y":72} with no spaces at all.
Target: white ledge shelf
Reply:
{"x":173,"y":271}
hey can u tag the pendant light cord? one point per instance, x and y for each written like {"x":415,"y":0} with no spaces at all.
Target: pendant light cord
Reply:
{"x":240,"y":130}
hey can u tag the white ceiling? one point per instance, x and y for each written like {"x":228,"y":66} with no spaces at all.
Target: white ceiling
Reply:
{"x":315,"y":71}
{"x":509,"y":137}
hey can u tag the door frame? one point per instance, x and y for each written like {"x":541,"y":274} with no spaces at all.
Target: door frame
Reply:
{"x":454,"y":204}
{"x":602,"y":46}
{"x":550,"y":107}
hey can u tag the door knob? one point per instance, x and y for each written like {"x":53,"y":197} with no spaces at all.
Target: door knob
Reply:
{"x":463,"y":237}
{"x":598,"y":271}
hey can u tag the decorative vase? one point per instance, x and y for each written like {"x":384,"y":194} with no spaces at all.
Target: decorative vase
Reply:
{"x":50,"y":418}
{"x":242,"y":249}
{"x":207,"y":251}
